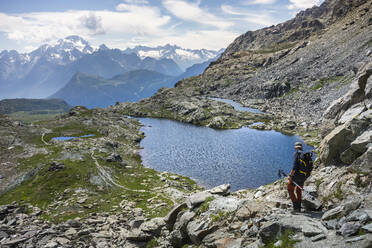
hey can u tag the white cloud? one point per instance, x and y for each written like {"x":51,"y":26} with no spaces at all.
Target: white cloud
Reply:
{"x":258,"y":18}
{"x":259,"y":2}
{"x":41,"y":27}
{"x":303,"y":4}
{"x":136,"y":1}
{"x":192,"y":12}
{"x":211,"y":39}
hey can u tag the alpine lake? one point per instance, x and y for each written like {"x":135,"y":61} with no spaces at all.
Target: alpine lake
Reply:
{"x":243,"y":158}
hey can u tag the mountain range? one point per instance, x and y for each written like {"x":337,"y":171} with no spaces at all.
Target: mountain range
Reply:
{"x":183,"y":57}
{"x":49,"y":68}
{"x":94,"y":91}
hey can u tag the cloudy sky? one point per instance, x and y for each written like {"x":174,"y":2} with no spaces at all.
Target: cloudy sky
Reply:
{"x":211,"y":24}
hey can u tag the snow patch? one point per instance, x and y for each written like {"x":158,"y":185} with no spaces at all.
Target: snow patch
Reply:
{"x":187,"y":54}
{"x":152,"y":54}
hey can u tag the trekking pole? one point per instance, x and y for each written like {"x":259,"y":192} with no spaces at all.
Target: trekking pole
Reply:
{"x":282,"y":173}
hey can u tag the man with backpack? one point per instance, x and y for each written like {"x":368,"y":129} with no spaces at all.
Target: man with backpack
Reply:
{"x":302,"y":167}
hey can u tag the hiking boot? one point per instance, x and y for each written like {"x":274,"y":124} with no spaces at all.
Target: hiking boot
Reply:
{"x":299,"y":207}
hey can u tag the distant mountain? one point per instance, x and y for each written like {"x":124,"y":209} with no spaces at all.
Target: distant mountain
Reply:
{"x":49,"y":68}
{"x":9,"y":106}
{"x":183,"y":57}
{"x":94,"y":91}
{"x":194,"y":70}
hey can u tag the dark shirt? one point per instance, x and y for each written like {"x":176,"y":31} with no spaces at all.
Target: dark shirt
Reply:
{"x":297,"y":177}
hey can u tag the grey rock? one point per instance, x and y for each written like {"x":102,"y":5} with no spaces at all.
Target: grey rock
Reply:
{"x":318,"y":237}
{"x":176,"y":238}
{"x":217,"y":122}
{"x":197,"y":199}
{"x":249,"y":209}
{"x":278,"y":243}
{"x":367,"y":228}
{"x":364,"y":162}
{"x":353,"y":111}
{"x":62,"y":241}
{"x":171,"y":217}
{"x":54,"y":166}
{"x":358,"y":215}
{"x":351,"y":205}
{"x":14,"y":241}
{"x":311,"y":190}
{"x":224,"y":204}
{"x":269,"y":232}
{"x":153,"y":226}
{"x":85,"y":231}
{"x":138,"y":235}
{"x":311,"y":203}
{"x":3,"y":235}
{"x":217,"y":238}
{"x":114,"y":158}
{"x":360,"y":143}
{"x":184,"y":221}
{"x":341,"y":210}
{"x":300,"y":223}
{"x":229,"y":243}
{"x":252,"y":231}
{"x":310,"y":230}
{"x":73,"y":223}
{"x":348,"y":229}
{"x":70,"y":232}
{"x":220,"y":190}
{"x":356,"y":239}
{"x":198,"y":230}
{"x":51,"y":244}
{"x":137,"y":222}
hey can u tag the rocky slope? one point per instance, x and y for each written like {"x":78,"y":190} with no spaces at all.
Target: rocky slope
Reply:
{"x":93,"y":191}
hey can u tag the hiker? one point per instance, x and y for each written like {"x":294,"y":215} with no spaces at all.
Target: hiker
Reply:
{"x":300,"y":172}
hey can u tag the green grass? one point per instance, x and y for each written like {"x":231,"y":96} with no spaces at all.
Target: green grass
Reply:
{"x":339,"y":194}
{"x":204,"y":206}
{"x":318,"y":182}
{"x":152,"y":243}
{"x":72,"y":128}
{"x":341,"y":80}
{"x":292,"y":91}
{"x":221,"y":215}
{"x":28,"y":117}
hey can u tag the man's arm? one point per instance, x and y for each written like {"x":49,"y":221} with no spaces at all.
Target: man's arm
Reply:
{"x":295,"y":164}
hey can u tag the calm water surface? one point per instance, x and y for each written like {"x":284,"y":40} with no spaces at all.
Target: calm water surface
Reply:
{"x":244,"y":158}
{"x":237,"y":106}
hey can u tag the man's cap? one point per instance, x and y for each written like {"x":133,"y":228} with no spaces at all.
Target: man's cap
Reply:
{"x":298,"y":145}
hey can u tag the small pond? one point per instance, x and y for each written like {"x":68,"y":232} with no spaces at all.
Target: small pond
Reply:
{"x":236,"y":105}
{"x":64,"y":138}
{"x":244,"y":158}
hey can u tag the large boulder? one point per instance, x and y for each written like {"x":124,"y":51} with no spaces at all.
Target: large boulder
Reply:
{"x":171,"y":217}
{"x":364,"y":162}
{"x":339,"y":140}
{"x":197,"y":199}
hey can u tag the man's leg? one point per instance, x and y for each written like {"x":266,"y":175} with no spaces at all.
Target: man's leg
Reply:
{"x":299,"y":198}
{"x":291,"y":190}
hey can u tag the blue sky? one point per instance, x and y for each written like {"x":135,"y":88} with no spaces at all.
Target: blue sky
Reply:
{"x":211,"y":24}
